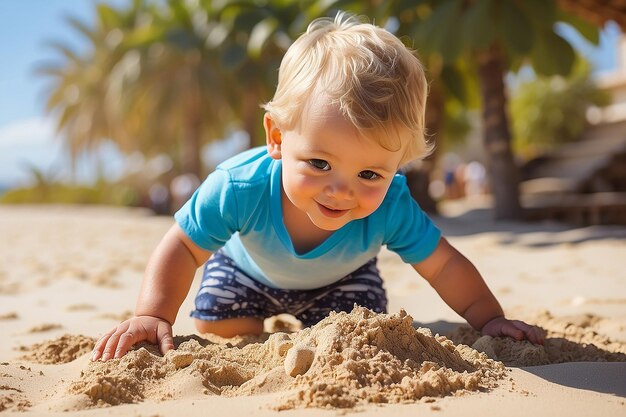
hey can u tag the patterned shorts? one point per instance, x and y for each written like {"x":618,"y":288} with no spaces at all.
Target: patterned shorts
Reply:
{"x":227,"y":292}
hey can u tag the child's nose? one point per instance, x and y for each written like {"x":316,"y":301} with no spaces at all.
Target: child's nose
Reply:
{"x":339,"y":189}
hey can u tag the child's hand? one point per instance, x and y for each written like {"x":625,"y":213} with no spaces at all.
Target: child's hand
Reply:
{"x":116,"y":342}
{"x":516,"y":329}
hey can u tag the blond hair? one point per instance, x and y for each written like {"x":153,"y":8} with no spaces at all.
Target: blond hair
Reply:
{"x":376,"y":82}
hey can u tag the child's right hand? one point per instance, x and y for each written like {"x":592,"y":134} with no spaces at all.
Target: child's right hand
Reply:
{"x":116,"y":342}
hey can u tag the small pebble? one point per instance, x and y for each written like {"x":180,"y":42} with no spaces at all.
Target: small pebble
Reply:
{"x":180,"y":359}
{"x":280,"y":343}
{"x":298,"y":360}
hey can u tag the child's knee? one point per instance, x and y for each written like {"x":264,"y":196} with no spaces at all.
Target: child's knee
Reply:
{"x":239,"y":326}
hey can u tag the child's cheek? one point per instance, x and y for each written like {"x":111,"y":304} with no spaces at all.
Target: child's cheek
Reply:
{"x":372,"y":197}
{"x":300,"y":187}
{"x":308,"y":184}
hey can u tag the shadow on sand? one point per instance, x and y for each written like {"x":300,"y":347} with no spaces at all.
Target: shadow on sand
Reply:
{"x":559,"y":360}
{"x":439,"y":327}
{"x":531,"y":234}
{"x":605,"y":377}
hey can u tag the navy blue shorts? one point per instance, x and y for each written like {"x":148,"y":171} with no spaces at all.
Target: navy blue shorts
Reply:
{"x":227,"y":292}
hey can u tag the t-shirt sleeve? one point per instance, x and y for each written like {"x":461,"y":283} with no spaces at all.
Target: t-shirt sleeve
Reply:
{"x":409,"y":231}
{"x":210,"y":218}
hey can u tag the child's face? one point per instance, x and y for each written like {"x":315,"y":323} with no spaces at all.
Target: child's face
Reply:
{"x":329,"y":171}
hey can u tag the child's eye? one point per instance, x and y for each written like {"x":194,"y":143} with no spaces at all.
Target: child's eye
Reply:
{"x":369,"y":175}
{"x":319,"y":164}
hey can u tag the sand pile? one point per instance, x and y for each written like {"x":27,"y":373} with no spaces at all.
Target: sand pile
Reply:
{"x":12,"y":399}
{"x":569,"y":339}
{"x":343,"y":361}
{"x":62,"y":350}
{"x":363,"y":357}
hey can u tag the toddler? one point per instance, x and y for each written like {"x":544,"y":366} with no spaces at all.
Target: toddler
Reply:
{"x":295,"y":226}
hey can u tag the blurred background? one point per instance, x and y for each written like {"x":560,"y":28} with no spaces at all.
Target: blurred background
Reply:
{"x":134,"y":102}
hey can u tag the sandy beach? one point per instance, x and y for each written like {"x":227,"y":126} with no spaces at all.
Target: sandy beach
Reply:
{"x":70,"y":273}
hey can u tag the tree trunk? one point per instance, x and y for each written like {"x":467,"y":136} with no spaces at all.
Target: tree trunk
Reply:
{"x":418,"y":174}
{"x":192,"y":149}
{"x":503,"y":172}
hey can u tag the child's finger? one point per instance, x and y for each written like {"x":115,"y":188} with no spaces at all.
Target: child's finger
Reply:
{"x":99,"y":347}
{"x":511,"y":330}
{"x":164,"y":337}
{"x":536,"y":335}
{"x":125,"y":341}
{"x":542,"y":334}
{"x":531,"y":336}
{"x":111,"y":344}
{"x":533,"y":333}
{"x":134,"y":334}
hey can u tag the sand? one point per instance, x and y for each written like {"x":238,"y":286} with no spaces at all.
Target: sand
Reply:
{"x":69,"y":274}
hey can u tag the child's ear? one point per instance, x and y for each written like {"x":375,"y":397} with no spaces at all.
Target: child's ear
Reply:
{"x":273,"y":137}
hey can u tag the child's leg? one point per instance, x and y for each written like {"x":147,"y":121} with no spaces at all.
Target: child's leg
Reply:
{"x":228,"y":302}
{"x":363,"y":287}
{"x":231,"y":327}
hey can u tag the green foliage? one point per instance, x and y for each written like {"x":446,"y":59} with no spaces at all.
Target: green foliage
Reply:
{"x":57,"y":193}
{"x":553,"y":55}
{"x":586,"y":29}
{"x":475,"y":31}
{"x":456,"y":125}
{"x":515,"y":27}
{"x":169,"y":76}
{"x":551,"y":110}
{"x":434,"y":34}
{"x":523,"y":30}
{"x":46,"y":190}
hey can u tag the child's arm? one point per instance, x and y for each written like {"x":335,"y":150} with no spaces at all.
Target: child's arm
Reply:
{"x":165,"y":285}
{"x":461,"y":286}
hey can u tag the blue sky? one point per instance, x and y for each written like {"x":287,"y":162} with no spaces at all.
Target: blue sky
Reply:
{"x":26,"y":132}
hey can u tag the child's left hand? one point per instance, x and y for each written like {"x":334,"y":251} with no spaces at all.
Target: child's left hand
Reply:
{"x":518,"y":330}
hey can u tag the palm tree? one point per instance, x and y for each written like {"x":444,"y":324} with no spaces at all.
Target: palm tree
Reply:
{"x":79,"y":83}
{"x":450,"y":86}
{"x":150,"y":81}
{"x":495,"y":37}
{"x":259,"y":33}
{"x":173,"y":94}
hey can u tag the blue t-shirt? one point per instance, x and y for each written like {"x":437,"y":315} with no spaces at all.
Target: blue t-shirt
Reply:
{"x":238,"y":208}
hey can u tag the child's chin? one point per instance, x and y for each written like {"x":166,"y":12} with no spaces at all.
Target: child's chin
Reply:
{"x":329,"y":226}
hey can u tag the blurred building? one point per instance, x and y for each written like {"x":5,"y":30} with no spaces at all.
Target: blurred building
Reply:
{"x":615,"y":84}
{"x":585,"y":181}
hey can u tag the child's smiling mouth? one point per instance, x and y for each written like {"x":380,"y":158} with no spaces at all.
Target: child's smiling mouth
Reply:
{"x":329,"y":212}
